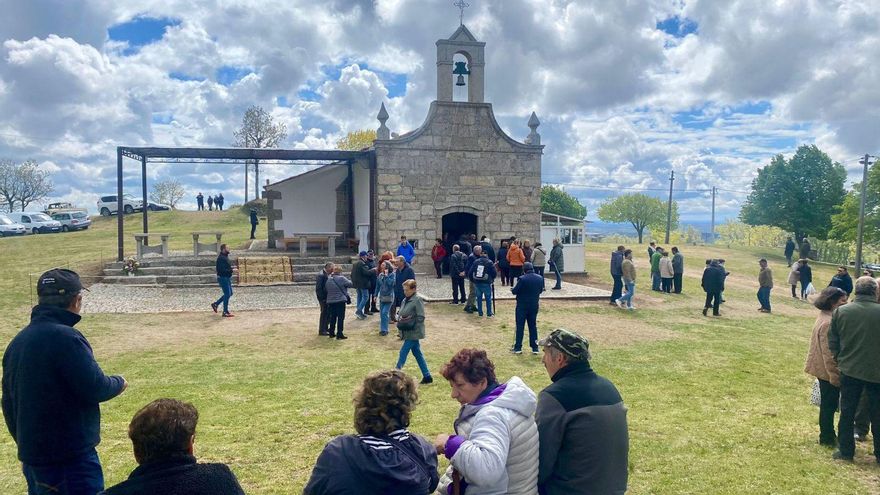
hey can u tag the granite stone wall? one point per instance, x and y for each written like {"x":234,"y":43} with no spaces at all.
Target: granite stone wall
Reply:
{"x":458,"y":161}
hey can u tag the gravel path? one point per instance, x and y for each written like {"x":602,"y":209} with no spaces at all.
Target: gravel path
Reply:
{"x":117,"y":298}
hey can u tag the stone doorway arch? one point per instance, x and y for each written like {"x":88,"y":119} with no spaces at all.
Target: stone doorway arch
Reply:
{"x":458,"y":220}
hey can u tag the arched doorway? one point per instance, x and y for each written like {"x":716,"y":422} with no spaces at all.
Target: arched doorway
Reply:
{"x":459,"y":223}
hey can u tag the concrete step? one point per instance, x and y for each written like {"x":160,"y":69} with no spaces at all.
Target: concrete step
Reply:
{"x":161,"y":279}
{"x":164,"y":270}
{"x":205,"y":260}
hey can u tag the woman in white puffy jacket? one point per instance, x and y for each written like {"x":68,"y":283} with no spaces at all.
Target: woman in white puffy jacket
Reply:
{"x":495,"y":446}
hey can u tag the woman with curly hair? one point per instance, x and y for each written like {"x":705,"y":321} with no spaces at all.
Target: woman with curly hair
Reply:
{"x":384,"y":458}
{"x":495,"y":446}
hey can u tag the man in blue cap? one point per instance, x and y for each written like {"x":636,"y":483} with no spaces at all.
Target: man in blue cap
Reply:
{"x":51,"y":390}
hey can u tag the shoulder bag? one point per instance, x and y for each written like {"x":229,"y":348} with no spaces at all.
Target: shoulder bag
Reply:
{"x":344,"y":291}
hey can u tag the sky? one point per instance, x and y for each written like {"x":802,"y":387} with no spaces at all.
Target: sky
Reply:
{"x":626,"y":91}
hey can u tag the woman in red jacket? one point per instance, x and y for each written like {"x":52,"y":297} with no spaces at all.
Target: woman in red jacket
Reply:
{"x":438,"y":253}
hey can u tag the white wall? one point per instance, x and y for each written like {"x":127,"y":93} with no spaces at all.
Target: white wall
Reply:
{"x":308,"y":202}
{"x":572,"y":254}
{"x":361,"y":194}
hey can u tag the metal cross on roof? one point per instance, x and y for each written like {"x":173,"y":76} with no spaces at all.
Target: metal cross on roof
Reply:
{"x":461,"y":6}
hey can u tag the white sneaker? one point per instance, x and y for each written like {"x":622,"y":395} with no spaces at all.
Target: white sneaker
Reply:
{"x":631,"y":308}
{"x":619,"y":303}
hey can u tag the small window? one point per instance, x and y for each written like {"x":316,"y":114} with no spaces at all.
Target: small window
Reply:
{"x":25,"y":219}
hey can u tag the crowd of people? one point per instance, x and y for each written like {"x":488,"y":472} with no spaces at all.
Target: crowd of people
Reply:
{"x":214,"y":202}
{"x":571,"y":438}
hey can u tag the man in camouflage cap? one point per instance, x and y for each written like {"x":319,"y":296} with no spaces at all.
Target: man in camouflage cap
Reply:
{"x":584,"y":439}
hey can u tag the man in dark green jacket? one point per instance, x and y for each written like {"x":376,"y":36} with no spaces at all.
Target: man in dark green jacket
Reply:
{"x":360,"y":279}
{"x":854,"y":340}
{"x":584,"y":439}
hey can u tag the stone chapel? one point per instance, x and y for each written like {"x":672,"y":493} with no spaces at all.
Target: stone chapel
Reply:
{"x":459,"y":173}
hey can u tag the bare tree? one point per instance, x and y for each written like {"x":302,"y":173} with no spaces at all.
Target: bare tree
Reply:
{"x":24,"y":183}
{"x":258,"y":130}
{"x":168,"y":192}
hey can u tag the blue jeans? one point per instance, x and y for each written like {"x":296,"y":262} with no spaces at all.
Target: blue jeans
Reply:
{"x":384,"y":314}
{"x":226,"y":286}
{"x":363,"y":298}
{"x":764,"y":297}
{"x":81,"y":476}
{"x":484,"y":291}
{"x":558,"y":275}
{"x":655,"y":281}
{"x":413,"y":345}
{"x":630,"y":292}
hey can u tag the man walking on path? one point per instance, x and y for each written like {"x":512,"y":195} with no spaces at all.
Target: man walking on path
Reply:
{"x":406,"y":250}
{"x":629,"y":281}
{"x":655,"y":269}
{"x":789,"y":250}
{"x":581,"y":417}
{"x":806,"y":276}
{"x":321,"y":295}
{"x":854,"y":340}
{"x":254,"y":221}
{"x":52,"y":388}
{"x":617,"y":273}
{"x":200,"y":202}
{"x":360,"y":280}
{"x":765,"y":285}
{"x":557,"y":262}
{"x":457,"y":272}
{"x":482,"y":272}
{"x":713,"y":284}
{"x":528,"y":294}
{"x":224,"y":278}
{"x":677,"y":269}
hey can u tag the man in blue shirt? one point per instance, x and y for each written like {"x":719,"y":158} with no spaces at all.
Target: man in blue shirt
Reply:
{"x":406,"y":250}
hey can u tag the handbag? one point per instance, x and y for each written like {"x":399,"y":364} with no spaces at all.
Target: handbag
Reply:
{"x":344,"y":291}
{"x":816,"y":394}
{"x":408,"y":323}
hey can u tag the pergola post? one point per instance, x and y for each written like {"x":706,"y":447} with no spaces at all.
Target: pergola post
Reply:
{"x":120,"y":243}
{"x":144,"y":191}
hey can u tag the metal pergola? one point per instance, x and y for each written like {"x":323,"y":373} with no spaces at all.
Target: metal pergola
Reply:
{"x":216,"y":155}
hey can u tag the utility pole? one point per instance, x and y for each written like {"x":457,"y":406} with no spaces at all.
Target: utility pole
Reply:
{"x":669,"y":206}
{"x":866,"y":162}
{"x":712,"y":231}
{"x":245,"y":182}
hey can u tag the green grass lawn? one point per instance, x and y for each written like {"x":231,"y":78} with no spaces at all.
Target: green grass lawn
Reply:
{"x":716,"y":406}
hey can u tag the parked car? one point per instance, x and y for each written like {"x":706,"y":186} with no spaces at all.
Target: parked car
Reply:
{"x":8,"y":227}
{"x":73,"y":220}
{"x":36,"y":222}
{"x":157,"y":207}
{"x":54,"y":208}
{"x":107,"y":204}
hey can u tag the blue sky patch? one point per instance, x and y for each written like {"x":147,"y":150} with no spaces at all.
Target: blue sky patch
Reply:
{"x":180,"y":76}
{"x":140,"y":31}
{"x":228,"y":74}
{"x":677,"y":26}
{"x":162,"y":117}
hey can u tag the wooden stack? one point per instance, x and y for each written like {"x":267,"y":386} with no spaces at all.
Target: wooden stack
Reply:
{"x":264,"y":270}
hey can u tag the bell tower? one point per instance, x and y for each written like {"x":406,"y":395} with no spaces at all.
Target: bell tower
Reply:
{"x":464,"y":43}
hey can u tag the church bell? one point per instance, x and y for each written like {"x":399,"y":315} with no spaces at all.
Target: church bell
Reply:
{"x":461,"y":70}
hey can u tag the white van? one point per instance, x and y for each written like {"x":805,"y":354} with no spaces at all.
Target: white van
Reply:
{"x":35,"y":222}
{"x":8,"y":227}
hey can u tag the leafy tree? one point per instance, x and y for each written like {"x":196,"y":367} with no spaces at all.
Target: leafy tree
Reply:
{"x":24,"y":183}
{"x":733,"y":233}
{"x":556,"y":200}
{"x":357,"y":140}
{"x":797,"y":195}
{"x":846,"y":221}
{"x":169,"y":192}
{"x":258,"y":130}
{"x":640,"y":210}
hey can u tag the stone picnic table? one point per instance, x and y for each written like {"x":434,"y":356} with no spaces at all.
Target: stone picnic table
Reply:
{"x":212,"y":247}
{"x":143,"y":248}
{"x":305,"y":237}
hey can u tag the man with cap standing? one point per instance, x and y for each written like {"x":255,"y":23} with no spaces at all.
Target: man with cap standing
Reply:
{"x":52,"y":388}
{"x":584,"y":438}
{"x":528,"y":291}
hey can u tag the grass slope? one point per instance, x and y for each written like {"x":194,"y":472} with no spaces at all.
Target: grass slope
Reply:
{"x":715,"y":405}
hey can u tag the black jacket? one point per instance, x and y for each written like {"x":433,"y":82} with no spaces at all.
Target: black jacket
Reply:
{"x":321,"y":286}
{"x":489,"y":250}
{"x":617,"y":263}
{"x":789,"y":248}
{"x":52,"y":387}
{"x":713,"y":278}
{"x":178,"y":476}
{"x":806,"y":275}
{"x":224,"y":267}
{"x":457,"y":263}
{"x":841,"y":282}
{"x":402,"y":276}
{"x":373,"y":465}
{"x":254,"y":219}
{"x":487,"y":265}
{"x":528,"y":289}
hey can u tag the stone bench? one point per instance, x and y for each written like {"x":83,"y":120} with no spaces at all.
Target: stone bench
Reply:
{"x":212,"y":247}
{"x":144,"y":248}
{"x":305,"y":237}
